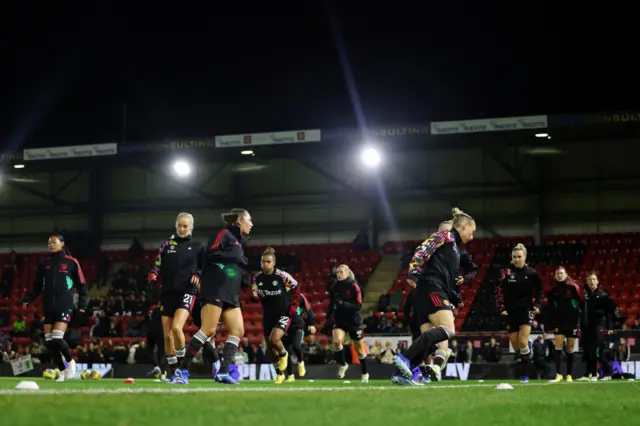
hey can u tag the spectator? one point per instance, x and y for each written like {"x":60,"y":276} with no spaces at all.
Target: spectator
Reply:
{"x":386,"y":357}
{"x":19,"y":327}
{"x":492,"y":351}
{"x":241,"y":358}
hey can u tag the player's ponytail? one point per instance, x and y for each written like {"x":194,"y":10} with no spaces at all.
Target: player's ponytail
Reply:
{"x":270,"y":251}
{"x":461,"y":218}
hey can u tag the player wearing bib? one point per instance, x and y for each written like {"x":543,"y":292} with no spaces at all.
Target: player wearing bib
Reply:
{"x":279,"y":294}
{"x":564,"y":303}
{"x":177,"y":265}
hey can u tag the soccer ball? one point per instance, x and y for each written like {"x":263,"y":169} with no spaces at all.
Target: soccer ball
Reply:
{"x":90,"y":375}
{"x":51,"y":374}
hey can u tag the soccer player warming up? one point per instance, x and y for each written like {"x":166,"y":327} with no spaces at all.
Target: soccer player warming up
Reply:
{"x":564,"y":303}
{"x":344,"y":306}
{"x":434,"y":271}
{"x":279,"y":294}
{"x":56,"y":277}
{"x":178,"y":265}
{"x":302,"y":322}
{"x":220,"y":285}
{"x":517,"y":287}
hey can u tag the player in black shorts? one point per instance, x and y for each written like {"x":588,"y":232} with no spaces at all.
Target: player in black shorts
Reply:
{"x":279,"y":294}
{"x":178,"y":265}
{"x":301,"y":324}
{"x":155,"y":344}
{"x":517,"y":288}
{"x":220,"y":283}
{"x":56,"y":278}
{"x":596,"y":324}
{"x":344,"y":308}
{"x":434,"y":272}
{"x":564,"y":304}
{"x":441,"y":351}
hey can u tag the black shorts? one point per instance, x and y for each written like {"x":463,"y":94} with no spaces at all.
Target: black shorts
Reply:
{"x":353,"y":329}
{"x":171,"y":302}
{"x":220,"y":304}
{"x":517,"y":318}
{"x":567,"y":329}
{"x":427,"y":302}
{"x":270,"y":322}
{"x":54,"y":316}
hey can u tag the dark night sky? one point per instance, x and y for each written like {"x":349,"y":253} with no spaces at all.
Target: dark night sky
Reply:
{"x":65,"y":79}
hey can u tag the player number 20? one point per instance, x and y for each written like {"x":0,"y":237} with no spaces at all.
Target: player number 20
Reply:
{"x":188,"y":299}
{"x":284,"y":321}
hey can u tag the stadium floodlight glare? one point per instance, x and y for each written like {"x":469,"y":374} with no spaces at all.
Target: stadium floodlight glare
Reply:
{"x":370,"y":157}
{"x":542,"y":135}
{"x":18,"y":166}
{"x":246,"y":152}
{"x":181,"y":168}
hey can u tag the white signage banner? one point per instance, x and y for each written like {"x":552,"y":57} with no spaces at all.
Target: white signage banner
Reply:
{"x":275,"y":138}
{"x":531,"y":122}
{"x":66,"y":152}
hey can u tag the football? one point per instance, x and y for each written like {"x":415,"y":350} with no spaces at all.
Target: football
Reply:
{"x":90,"y":375}
{"x":50,"y":374}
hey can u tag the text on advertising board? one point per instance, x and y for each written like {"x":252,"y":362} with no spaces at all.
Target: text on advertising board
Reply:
{"x":276,"y":138}
{"x":489,"y":125}
{"x":66,"y":152}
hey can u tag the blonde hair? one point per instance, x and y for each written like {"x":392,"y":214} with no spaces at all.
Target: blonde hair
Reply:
{"x":232,"y":217}
{"x":520,"y":247}
{"x":351,"y":274}
{"x":460,"y":218}
{"x":188,"y":216}
{"x":446,"y":222}
{"x":270,"y":251}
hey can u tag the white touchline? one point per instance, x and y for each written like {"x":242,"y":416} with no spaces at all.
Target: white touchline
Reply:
{"x":171,"y":389}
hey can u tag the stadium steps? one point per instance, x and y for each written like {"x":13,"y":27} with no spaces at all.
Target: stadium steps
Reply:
{"x":380,"y":281}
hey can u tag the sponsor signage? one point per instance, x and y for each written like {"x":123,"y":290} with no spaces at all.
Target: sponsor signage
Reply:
{"x":531,"y":122}
{"x":66,"y":152}
{"x":21,"y":365}
{"x":275,"y":138}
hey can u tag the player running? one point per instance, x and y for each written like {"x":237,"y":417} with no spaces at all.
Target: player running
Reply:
{"x":435,"y":271}
{"x":301,"y":323}
{"x":56,"y":278}
{"x":564,"y":303}
{"x":279,"y":294}
{"x":344,"y":308}
{"x":597,"y":322}
{"x":156,"y":344}
{"x":220,"y":283}
{"x":178,"y":265}
{"x":517,"y":288}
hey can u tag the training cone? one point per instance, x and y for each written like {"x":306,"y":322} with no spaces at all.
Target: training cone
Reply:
{"x":27,"y":385}
{"x":129,"y":381}
{"x":504,"y":386}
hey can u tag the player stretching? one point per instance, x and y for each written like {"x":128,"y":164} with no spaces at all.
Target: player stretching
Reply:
{"x":435,"y":271}
{"x":344,"y":307}
{"x":279,"y":294}
{"x":564,"y":316}
{"x":178,"y":265}
{"x":220,"y":284}
{"x":56,"y":278}
{"x":517,"y":287}
{"x":302,"y":321}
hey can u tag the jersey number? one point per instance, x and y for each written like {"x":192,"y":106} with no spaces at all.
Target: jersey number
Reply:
{"x":284,"y":321}
{"x":188,"y":299}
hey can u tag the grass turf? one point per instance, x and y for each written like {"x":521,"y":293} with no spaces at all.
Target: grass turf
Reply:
{"x":112,"y":403}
